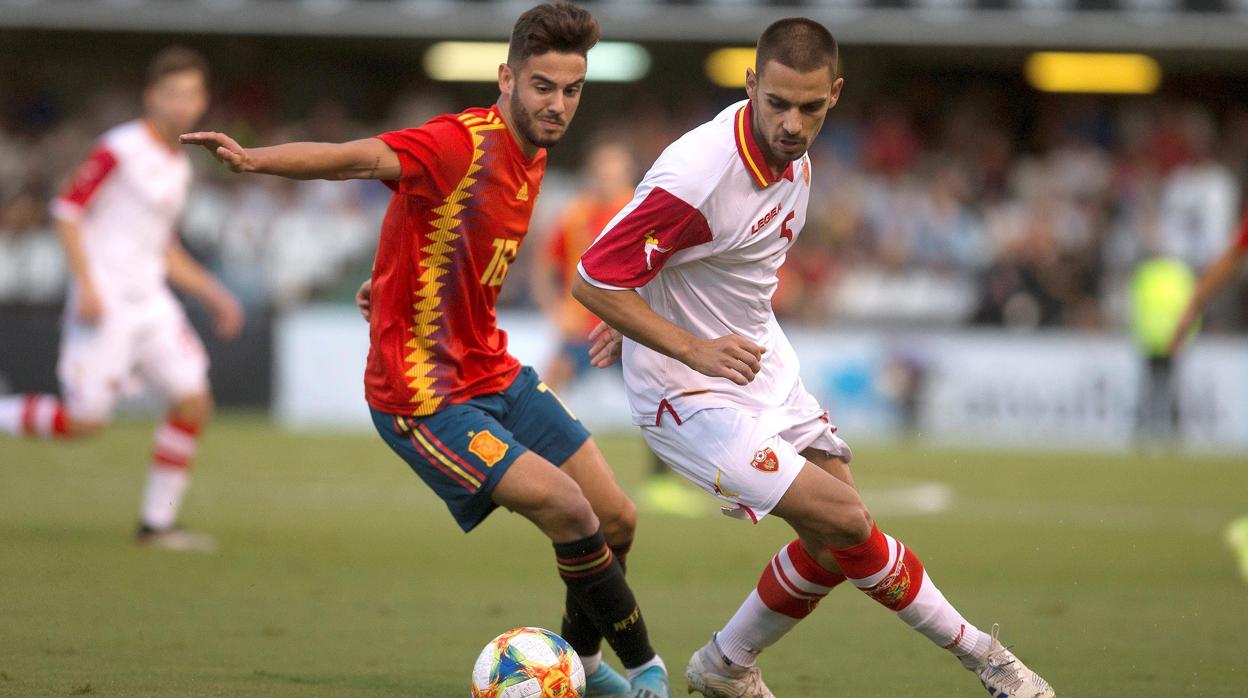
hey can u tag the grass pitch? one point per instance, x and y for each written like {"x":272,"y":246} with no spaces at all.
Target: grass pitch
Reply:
{"x":340,"y":575}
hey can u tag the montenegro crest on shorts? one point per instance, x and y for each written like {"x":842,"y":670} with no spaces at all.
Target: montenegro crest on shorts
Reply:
{"x":488,"y":447}
{"x":766,"y":460}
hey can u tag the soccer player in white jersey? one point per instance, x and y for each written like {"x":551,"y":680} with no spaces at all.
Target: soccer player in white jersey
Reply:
{"x":116,"y":218}
{"x":686,"y":273}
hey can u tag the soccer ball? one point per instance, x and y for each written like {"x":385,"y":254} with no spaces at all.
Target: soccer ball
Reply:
{"x":528,"y":663}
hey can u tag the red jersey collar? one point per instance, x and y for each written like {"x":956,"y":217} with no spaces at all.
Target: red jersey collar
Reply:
{"x":751,"y":154}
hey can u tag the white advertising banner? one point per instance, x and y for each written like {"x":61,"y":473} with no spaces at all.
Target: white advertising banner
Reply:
{"x":1050,"y":390}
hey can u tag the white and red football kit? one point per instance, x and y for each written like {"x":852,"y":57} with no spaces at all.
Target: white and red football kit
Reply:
{"x":126,"y":199}
{"x":702,"y":241}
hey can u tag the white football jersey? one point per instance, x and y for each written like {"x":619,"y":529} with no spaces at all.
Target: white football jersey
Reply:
{"x":702,"y":241}
{"x":126,"y":198}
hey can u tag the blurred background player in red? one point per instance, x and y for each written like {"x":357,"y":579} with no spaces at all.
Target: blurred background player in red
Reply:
{"x":1220,"y":272}
{"x":481,"y":430}
{"x":608,"y":179}
{"x":117,"y":218}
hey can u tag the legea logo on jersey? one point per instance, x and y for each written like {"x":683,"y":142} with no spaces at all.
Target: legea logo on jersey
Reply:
{"x":488,"y":447}
{"x":762,"y":222}
{"x":652,"y":245}
{"x":766,"y":460}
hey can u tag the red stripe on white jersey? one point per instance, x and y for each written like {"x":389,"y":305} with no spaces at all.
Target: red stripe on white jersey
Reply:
{"x":85,"y":183}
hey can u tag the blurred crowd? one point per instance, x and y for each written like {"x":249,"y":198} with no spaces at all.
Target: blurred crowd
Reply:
{"x":967,"y":212}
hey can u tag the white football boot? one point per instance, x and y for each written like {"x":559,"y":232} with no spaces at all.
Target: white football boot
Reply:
{"x":1005,"y":676}
{"x":703,"y":677}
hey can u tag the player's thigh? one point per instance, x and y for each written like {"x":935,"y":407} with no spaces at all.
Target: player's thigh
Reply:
{"x":824,"y":509}
{"x":93,"y":367}
{"x":541,"y":492}
{"x":461,"y":453}
{"x":172,"y":357}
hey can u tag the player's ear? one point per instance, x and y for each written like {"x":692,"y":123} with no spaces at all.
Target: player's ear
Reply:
{"x":506,"y":79}
{"x":751,"y":82}
{"x":836,"y":92}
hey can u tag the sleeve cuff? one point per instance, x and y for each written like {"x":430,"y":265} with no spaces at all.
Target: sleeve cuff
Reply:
{"x":580,"y":267}
{"x":67,"y":211}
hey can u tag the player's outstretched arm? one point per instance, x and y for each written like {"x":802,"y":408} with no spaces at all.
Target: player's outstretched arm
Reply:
{"x":367,"y":158}
{"x":732,"y":357}
{"x":1214,"y":278}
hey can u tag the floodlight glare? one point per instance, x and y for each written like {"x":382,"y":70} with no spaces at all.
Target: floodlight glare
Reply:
{"x":1103,"y":73}
{"x":478,"y":61}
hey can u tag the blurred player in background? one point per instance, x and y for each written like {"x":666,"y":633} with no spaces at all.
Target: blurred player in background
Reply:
{"x":686,"y":272}
{"x":117,"y":219}
{"x":609,"y":176}
{"x":481,"y":430}
{"x":1215,"y":277}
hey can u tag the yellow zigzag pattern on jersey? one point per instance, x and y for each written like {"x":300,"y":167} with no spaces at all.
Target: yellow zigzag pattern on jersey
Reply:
{"x":428,"y":298}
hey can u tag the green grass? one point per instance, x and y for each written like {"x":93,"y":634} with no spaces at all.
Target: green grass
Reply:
{"x":340,"y":575}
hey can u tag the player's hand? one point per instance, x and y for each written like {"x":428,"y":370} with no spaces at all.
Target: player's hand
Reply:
{"x":732,"y":357}
{"x":222,"y":147}
{"x":363,"y":299}
{"x":227,"y":315}
{"x":605,"y":345}
{"x":90,"y":307}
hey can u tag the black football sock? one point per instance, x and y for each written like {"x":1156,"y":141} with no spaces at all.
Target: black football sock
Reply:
{"x":597,"y":587}
{"x":578,"y":628}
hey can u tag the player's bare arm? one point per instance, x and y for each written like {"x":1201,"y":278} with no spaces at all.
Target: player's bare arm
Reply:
{"x":90,"y":307}
{"x":190,"y":277}
{"x":1214,"y":278}
{"x":367,"y":158}
{"x":732,"y":357}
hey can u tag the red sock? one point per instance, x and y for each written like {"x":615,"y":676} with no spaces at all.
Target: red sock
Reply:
{"x":793,"y":583}
{"x":43,"y":416}
{"x":883,"y":569}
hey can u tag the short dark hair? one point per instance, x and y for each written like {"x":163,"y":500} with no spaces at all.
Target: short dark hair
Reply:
{"x":799,"y":43}
{"x":559,"y":26}
{"x":175,"y":59}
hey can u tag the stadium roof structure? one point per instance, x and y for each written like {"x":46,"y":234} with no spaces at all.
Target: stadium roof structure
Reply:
{"x":1154,"y":24}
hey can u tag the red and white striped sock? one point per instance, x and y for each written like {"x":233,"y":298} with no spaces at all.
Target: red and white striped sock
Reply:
{"x":789,"y":588}
{"x":33,"y":414}
{"x":892,"y":574}
{"x":172,"y":453}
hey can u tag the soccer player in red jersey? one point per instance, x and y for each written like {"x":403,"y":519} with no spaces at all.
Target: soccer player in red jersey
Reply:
{"x":117,"y":219}
{"x":481,"y":430}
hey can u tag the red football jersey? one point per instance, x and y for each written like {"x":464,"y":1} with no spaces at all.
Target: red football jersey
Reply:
{"x":1241,"y":241}
{"x":457,"y":217}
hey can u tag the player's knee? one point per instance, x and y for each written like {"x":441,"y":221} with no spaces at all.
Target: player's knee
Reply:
{"x":196,"y":409}
{"x":568,"y":513}
{"x":620,"y":525}
{"x":844,"y":526}
{"x":855,"y":524}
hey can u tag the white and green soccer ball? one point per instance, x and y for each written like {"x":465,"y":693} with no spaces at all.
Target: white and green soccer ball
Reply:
{"x":528,"y":663}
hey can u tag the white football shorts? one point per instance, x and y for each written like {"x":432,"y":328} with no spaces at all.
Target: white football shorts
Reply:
{"x":749,"y":460}
{"x":153,"y":339}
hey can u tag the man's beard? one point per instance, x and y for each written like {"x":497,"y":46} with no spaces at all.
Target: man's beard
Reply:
{"x":525,"y":125}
